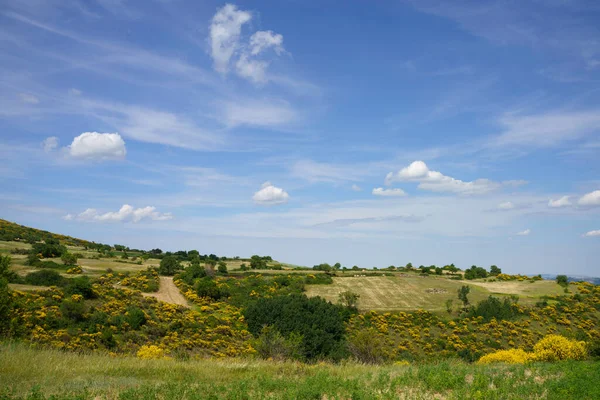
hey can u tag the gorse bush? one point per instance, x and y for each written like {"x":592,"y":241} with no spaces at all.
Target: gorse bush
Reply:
{"x":550,"y":348}
{"x":511,"y":356}
{"x":556,"y":347}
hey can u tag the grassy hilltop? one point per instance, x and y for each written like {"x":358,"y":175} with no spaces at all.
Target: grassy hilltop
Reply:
{"x":86,"y":320}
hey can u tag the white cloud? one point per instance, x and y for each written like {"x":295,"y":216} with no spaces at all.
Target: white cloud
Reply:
{"x":526,"y":232}
{"x":592,"y":233}
{"x":258,"y":113}
{"x":254,"y":70}
{"x":388,"y":192}
{"x":270,"y":195}
{"x":356,"y":188}
{"x":126,"y":213}
{"x":547,"y":129}
{"x":561,"y":202}
{"x":49,"y":144}
{"x":437,"y":182}
{"x":99,"y":146}
{"x":263,"y":40}
{"x":74,"y":92}
{"x":28,"y":98}
{"x":225,"y":30}
{"x":507,"y":205}
{"x":590,"y":199}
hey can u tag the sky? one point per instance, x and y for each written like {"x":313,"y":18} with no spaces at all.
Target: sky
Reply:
{"x":365,"y":133}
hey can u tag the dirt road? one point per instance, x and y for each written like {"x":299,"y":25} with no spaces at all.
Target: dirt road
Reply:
{"x":169,"y":293}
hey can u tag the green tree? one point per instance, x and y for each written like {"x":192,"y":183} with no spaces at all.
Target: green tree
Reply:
{"x":257,"y":262}
{"x":494,"y":270}
{"x":169,"y":266}
{"x":463,"y":292}
{"x":69,"y":258}
{"x":5,"y":271}
{"x":349,"y":299}
{"x":449,"y":306}
{"x":6,"y":304}
{"x":562,"y":280}
{"x":222,"y":267}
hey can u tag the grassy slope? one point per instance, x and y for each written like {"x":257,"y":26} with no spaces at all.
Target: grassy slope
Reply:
{"x":409,"y":292}
{"x":39,"y":374}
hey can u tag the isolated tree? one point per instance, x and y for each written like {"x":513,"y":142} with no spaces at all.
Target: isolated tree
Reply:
{"x":257,"y":262}
{"x":337,"y":266}
{"x":349,"y":299}
{"x":494,"y":270}
{"x":409,"y":266}
{"x":462,"y":295}
{"x":222,"y":268}
{"x":562,"y":280}
{"x":169,"y":266}
{"x":69,"y":259}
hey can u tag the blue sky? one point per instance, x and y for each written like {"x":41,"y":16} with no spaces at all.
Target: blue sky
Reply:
{"x":363,"y":133}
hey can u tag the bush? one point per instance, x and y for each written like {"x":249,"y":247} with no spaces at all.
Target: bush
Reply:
{"x":69,"y":259}
{"x":82,"y":286}
{"x":318,"y":322}
{"x":271,"y":344}
{"x":556,"y":347}
{"x":512,"y":356}
{"x":151,"y":352}
{"x":135,"y":317}
{"x":492,"y":307}
{"x":207,"y":287}
{"x":366,"y":346}
{"x":73,"y":310}
{"x":45,"y":277}
{"x":193,"y":272}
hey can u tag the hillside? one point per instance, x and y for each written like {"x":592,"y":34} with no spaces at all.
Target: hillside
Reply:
{"x":145,"y":314}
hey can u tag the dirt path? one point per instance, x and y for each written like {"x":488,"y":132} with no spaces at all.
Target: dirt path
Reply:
{"x":169,"y":293}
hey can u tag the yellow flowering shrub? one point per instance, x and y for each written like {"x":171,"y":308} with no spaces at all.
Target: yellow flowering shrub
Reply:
{"x":151,"y":352}
{"x":556,"y":347}
{"x":512,"y":356}
{"x":75,"y":270}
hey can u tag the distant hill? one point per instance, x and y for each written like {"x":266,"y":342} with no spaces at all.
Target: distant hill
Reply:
{"x":10,"y":231}
{"x":575,"y":278}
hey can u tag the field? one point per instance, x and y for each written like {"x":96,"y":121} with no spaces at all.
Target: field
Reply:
{"x":28,"y":373}
{"x":403,"y":292}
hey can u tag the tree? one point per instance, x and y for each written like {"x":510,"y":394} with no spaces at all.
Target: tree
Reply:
{"x":337,"y":266}
{"x":6,"y":304}
{"x":257,"y":262}
{"x":476,"y":272}
{"x":349,"y":299}
{"x":462,"y":295}
{"x":494,"y":270}
{"x":562,"y":280}
{"x":69,"y":259}
{"x":169,"y":266}
{"x":5,"y":271}
{"x":222,"y":268}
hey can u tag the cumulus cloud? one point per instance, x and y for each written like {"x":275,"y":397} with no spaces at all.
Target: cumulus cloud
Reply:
{"x":49,"y":144}
{"x":263,"y":40}
{"x":526,"y":232}
{"x":435,"y":181}
{"x":561,"y":202}
{"x":28,"y":98}
{"x":592,"y":233}
{"x":226,"y":45}
{"x":126,"y":213}
{"x":270,"y":195}
{"x":356,"y":188}
{"x":225,"y":30}
{"x":388,"y":192}
{"x":98,"y":146}
{"x":590,"y":199}
{"x":507,"y":205}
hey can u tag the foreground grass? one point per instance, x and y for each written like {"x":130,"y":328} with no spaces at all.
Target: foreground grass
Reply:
{"x":27,"y":373}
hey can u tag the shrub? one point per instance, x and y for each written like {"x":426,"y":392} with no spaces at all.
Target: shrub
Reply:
{"x":492,"y":307}
{"x":151,"y":352}
{"x":135,"y":317}
{"x":556,"y":347}
{"x":193,"y":272}
{"x":271,"y":344}
{"x":44,"y":277}
{"x":512,"y":356}
{"x":69,"y":258}
{"x":6,"y":303}
{"x":82,"y":286}
{"x":562,"y":280}
{"x":366,"y":346}
{"x":349,"y":299}
{"x":75,"y":270}
{"x":73,"y":310}
{"x":318,"y":322}
{"x":207,"y":287}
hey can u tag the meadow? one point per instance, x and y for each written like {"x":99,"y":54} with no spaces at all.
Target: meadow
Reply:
{"x":35,"y":373}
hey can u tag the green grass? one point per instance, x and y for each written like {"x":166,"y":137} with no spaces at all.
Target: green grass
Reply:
{"x":406,"y":292}
{"x":28,"y":373}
